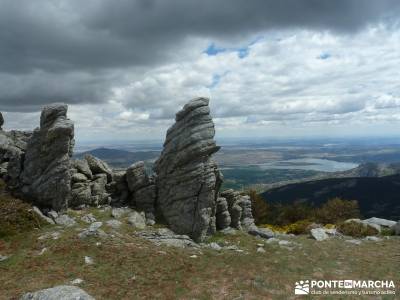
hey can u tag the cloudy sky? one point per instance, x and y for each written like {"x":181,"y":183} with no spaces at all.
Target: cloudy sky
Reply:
{"x":287,"y":68}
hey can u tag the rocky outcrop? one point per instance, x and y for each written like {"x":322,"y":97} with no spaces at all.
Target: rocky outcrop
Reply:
{"x":188,"y":179}
{"x":142,"y":189}
{"x":12,"y":148}
{"x":46,"y":177}
{"x":91,"y":182}
{"x":61,"y":292}
{"x":223,"y":217}
{"x":1,"y":121}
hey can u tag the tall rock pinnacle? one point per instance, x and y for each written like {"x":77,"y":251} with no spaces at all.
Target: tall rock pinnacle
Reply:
{"x":188,"y":179}
{"x":46,"y":176}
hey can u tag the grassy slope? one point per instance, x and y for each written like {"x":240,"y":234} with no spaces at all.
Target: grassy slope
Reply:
{"x":128,"y":267}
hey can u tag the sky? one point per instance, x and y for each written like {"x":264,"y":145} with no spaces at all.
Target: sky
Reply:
{"x":288,"y":68}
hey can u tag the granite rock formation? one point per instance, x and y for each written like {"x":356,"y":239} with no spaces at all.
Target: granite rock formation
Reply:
{"x":45,"y":177}
{"x":142,"y":189}
{"x":188,"y":179}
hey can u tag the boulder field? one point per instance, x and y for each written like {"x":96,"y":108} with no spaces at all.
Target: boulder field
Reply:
{"x":184,"y":190}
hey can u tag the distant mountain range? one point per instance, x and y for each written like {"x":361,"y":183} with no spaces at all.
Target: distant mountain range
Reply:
{"x":120,"y":158}
{"x":376,"y":196}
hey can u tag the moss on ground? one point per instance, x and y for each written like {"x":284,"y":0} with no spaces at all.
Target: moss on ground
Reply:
{"x":16,"y":216}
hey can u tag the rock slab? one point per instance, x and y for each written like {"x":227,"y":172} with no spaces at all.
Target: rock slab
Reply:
{"x":62,"y":292}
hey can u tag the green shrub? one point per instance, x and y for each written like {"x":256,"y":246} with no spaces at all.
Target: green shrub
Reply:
{"x":337,"y":210}
{"x":299,"y":227}
{"x":356,"y":229}
{"x":259,"y":207}
{"x":387,"y":231}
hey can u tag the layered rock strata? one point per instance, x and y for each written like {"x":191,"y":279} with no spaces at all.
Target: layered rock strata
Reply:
{"x":45,"y":177}
{"x":188,"y":179}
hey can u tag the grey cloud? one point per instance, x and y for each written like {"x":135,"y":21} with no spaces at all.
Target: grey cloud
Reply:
{"x":65,"y":39}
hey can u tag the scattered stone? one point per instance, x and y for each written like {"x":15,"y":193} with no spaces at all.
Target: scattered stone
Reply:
{"x":215,"y":246}
{"x":42,"y":251}
{"x":164,"y":236}
{"x":273,"y":240}
{"x":137,"y":220}
{"x":372,"y":238}
{"x":119,"y":212}
{"x":261,"y":232}
{"x":319,"y":234}
{"x":65,"y":220}
{"x":52,"y":214}
{"x":114,"y":224}
{"x":373,"y":225}
{"x":188,"y":180}
{"x":89,"y":260}
{"x":193,"y":256}
{"x":260,"y":250}
{"x":53,"y":235}
{"x":93,"y":230}
{"x":284,"y":243}
{"x":380,"y":222}
{"x":42,"y":216}
{"x":331,"y":231}
{"x":260,"y":245}
{"x":353,"y":241}
{"x":95,"y":226}
{"x":3,"y":258}
{"x":232,"y":247}
{"x":77,"y":281}
{"x":89,"y":218}
{"x":61,"y":292}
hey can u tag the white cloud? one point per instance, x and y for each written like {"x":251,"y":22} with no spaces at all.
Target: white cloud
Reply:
{"x":295,"y":82}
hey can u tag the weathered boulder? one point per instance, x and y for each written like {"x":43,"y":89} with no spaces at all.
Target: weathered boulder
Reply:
{"x":97,"y":166}
{"x":1,"y":121}
{"x":396,"y":228}
{"x":82,"y":167}
{"x":319,"y":234}
{"x":188,"y":180}
{"x":223,"y":218}
{"x":118,"y":188}
{"x":380,"y":222}
{"x":46,"y":175}
{"x":234,"y":207}
{"x":12,"y":148}
{"x":61,"y":292}
{"x":137,"y":220}
{"x":246,"y":219}
{"x":136,"y":176}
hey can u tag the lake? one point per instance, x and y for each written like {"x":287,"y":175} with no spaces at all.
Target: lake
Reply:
{"x":314,"y":164}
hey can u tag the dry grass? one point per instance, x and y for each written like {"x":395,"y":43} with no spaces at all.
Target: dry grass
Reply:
{"x":128,"y":267}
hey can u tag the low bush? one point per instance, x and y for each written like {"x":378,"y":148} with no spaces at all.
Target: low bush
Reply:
{"x":356,"y":229}
{"x":337,"y":210}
